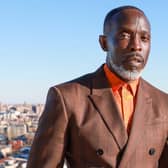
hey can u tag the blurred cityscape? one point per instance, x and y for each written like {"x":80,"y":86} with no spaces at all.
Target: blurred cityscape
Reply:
{"x":18,"y":124}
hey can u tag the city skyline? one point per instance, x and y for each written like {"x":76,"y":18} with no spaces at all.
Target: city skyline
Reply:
{"x":44,"y":43}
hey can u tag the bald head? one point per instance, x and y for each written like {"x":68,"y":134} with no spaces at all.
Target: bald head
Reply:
{"x":109,"y":19}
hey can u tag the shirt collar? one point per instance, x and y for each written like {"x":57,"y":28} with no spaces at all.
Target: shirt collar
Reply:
{"x":116,"y":82}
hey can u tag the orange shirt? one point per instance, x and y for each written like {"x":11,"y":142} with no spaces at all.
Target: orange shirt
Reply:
{"x":125,"y":95}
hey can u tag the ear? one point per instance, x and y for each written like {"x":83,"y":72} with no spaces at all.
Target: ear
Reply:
{"x":103,"y":42}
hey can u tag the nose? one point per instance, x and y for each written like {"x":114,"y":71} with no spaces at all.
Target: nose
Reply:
{"x":135,"y":44}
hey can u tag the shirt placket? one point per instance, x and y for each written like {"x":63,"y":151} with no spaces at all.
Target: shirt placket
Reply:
{"x":127,"y":100}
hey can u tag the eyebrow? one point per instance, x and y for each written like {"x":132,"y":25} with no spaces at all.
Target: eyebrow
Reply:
{"x":127,"y":29}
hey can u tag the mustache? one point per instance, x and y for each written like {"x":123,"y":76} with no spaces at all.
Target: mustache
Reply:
{"x":133,"y":56}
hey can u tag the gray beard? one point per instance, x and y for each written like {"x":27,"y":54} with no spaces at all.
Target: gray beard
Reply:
{"x":121,"y":71}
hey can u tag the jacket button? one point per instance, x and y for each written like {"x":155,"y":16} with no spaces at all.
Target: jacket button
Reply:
{"x":152,"y":151}
{"x":99,"y":152}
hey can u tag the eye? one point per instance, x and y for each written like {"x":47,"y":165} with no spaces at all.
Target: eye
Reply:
{"x":124,"y":36}
{"x":145,"y":38}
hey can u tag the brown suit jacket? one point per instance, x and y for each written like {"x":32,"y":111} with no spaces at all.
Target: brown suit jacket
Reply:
{"x":82,"y":124}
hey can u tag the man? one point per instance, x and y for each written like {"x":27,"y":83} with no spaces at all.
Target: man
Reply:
{"x":111,"y":118}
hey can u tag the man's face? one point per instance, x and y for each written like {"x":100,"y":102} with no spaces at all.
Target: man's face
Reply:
{"x":128,"y":43}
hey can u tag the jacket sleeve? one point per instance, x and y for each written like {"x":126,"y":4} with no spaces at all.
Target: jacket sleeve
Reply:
{"x":49,"y":143}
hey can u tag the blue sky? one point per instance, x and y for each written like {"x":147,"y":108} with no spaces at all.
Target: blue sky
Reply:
{"x":46,"y":42}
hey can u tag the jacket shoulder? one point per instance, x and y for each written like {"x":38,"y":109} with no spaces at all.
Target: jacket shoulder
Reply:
{"x":153,"y":89}
{"x":159,"y":97}
{"x":81,"y":83}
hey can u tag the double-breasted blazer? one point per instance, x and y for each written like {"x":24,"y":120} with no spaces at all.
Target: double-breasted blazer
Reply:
{"x":82,"y":124}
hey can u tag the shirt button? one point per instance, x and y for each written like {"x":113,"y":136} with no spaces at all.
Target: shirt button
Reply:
{"x":152,"y":151}
{"x":99,"y":152}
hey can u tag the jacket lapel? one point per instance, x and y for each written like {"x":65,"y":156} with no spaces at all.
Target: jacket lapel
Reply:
{"x":142,"y":110}
{"x":103,"y":101}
